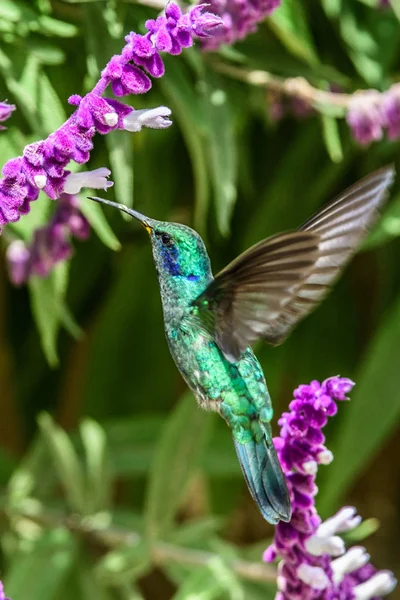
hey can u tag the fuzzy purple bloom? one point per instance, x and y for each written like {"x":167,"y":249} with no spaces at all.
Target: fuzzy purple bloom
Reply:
{"x":5,"y":112}
{"x":240,"y":17}
{"x":305,"y":544}
{"x":2,"y":595}
{"x":390,"y":110}
{"x":51,"y":243}
{"x":364,"y":116}
{"x":43,"y":164}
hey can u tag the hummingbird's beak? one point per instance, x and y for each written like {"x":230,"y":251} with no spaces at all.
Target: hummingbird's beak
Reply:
{"x":145,"y":221}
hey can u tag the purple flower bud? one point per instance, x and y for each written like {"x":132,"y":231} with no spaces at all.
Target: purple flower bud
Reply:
{"x":18,"y":257}
{"x":390,"y":109}
{"x":239,"y":19}
{"x":5,"y":113}
{"x":364,"y":116}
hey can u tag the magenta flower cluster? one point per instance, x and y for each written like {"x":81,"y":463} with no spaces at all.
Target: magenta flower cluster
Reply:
{"x":240,"y":17}
{"x":371,"y":113}
{"x":43,"y":164}
{"x":51,"y":243}
{"x":314,"y":562}
{"x":2,"y":595}
{"x":5,"y":112}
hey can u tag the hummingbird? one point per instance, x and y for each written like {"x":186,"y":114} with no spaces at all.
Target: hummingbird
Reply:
{"x":211,"y":322}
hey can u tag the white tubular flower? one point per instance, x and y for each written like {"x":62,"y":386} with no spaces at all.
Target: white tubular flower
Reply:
{"x":315,"y":577}
{"x":380,"y":584}
{"x":155,"y":118}
{"x":96,"y":179}
{"x":354,"y":559}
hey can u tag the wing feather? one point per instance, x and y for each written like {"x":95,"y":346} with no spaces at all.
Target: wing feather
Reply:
{"x":266,"y":290}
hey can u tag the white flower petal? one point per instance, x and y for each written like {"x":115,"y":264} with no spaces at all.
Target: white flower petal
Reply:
{"x":380,"y":584}
{"x":315,"y":577}
{"x":111,"y":119}
{"x":40,"y":181}
{"x":325,"y":457}
{"x":354,"y":559}
{"x":342,"y":521}
{"x":96,"y":179}
{"x":155,"y":118}
{"x":310,"y":467}
{"x":333,"y":545}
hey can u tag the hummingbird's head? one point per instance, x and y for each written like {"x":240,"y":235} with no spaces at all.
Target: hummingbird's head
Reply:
{"x":179,"y":253}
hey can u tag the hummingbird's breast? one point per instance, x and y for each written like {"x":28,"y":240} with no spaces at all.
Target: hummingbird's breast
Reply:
{"x":237,"y":391}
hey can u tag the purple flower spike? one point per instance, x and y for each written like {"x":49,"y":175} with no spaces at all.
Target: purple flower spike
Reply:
{"x":51,"y":244}
{"x":364,"y":116}
{"x":43,"y":165}
{"x":239,"y":17}
{"x":314,"y":563}
{"x":390,"y":109}
{"x":5,"y":112}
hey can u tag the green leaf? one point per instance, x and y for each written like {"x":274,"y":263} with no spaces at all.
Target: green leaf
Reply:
{"x":49,"y":309}
{"x":66,"y":462}
{"x":200,"y":585}
{"x":332,"y":138}
{"x":50,"y":26}
{"x":39,"y":574}
{"x":221,"y":145}
{"x":120,"y":149}
{"x":177,"y":455}
{"x":187,"y":111}
{"x":370,"y":416}
{"x":125,"y":564}
{"x":94,"y":214}
{"x":210,"y":582}
{"x":290,"y":24}
{"x":97,"y":472}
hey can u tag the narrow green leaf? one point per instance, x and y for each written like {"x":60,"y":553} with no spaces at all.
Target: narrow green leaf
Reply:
{"x":123,"y":565}
{"x":200,"y":585}
{"x":290,"y":24}
{"x":65,"y":460}
{"x":97,"y":220}
{"x":120,"y":149}
{"x":332,"y":140}
{"x":177,"y":454}
{"x":187,"y":111}
{"x":396,"y":7}
{"x":97,"y":472}
{"x":49,"y":309}
{"x":210,"y":582}
{"x":370,"y":416}
{"x":39,"y":574}
{"x":56,"y":27}
{"x":47,"y":96}
{"x":221,"y":144}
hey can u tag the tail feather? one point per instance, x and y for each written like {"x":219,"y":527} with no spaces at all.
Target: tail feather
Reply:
{"x":263,"y":474}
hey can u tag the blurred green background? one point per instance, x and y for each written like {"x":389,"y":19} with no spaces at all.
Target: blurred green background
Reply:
{"x":138,"y":460}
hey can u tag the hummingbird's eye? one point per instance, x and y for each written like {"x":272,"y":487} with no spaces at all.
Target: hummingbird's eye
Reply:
{"x":167,"y":239}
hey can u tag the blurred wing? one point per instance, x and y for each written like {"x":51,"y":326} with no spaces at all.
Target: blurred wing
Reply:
{"x":249,"y":294}
{"x":269,"y":288}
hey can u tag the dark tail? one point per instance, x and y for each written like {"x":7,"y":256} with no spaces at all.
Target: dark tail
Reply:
{"x":264,"y":478}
